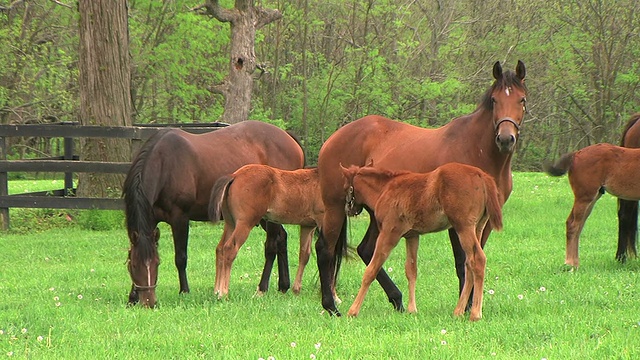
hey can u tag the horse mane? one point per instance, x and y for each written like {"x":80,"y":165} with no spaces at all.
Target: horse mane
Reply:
{"x":508,"y":79}
{"x":634,"y":118}
{"x":138,"y":210}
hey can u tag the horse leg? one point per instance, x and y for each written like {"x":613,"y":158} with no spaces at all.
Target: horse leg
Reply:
{"x":459,"y":257}
{"x":627,"y":229}
{"x":284,"y":279}
{"x":325,"y":250}
{"x":384,"y":244}
{"x":411,"y":271}
{"x":582,"y":207}
{"x":365,"y":250}
{"x":133,"y":296}
{"x":180,"y":230}
{"x":306,"y":235}
{"x":220,"y":262}
{"x":270,"y":252}
{"x":474,"y":279}
{"x":230,"y":250}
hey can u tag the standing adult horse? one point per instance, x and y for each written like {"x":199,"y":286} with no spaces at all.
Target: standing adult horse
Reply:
{"x":485,"y":138}
{"x":170,"y":180}
{"x":628,"y":209}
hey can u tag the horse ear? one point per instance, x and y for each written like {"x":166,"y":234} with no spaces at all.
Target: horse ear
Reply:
{"x":497,"y":70}
{"x":520,"y":70}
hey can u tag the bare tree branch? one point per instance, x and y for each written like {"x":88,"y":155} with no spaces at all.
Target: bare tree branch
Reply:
{"x":266,"y":16}
{"x":213,"y":8}
{"x":62,"y":4}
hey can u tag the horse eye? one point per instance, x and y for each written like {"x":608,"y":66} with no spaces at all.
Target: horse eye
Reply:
{"x":493,"y":100}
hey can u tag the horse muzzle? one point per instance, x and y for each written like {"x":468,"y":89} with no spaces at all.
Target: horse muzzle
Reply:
{"x":507,"y":132}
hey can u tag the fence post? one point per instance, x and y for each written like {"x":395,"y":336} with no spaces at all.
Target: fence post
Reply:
{"x":4,"y":187}
{"x":68,"y":177}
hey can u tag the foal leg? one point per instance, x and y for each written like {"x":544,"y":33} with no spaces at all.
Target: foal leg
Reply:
{"x":306,"y":235}
{"x":411,"y":271}
{"x":365,"y":250}
{"x":384,"y":244}
{"x":230,"y":250}
{"x":180,"y":230}
{"x":582,"y":207}
{"x":474,"y":279}
{"x":228,"y":229}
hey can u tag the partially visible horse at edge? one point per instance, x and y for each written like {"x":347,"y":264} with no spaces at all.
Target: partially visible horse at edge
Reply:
{"x":406,"y":204}
{"x":170,"y":180}
{"x":260,"y":192}
{"x":628,"y":209}
{"x":486,"y":139}
{"x":594,"y":170}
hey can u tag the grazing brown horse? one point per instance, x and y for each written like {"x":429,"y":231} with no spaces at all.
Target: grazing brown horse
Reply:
{"x":255,"y":192}
{"x":485,"y":138}
{"x":594,"y":170}
{"x":628,"y":209}
{"x":170,"y":180}
{"x":406,"y":204}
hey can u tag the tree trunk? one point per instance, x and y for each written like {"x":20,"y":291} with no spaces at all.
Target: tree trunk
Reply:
{"x":105,"y":97}
{"x":245,"y":18}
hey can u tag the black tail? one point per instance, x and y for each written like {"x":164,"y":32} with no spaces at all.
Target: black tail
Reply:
{"x":627,"y":212}
{"x":341,"y":248}
{"x":561,"y":166}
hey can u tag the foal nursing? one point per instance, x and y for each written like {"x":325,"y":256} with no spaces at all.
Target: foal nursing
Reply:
{"x":409,"y":204}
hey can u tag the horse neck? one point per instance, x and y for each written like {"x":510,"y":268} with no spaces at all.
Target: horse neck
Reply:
{"x":369,"y":186}
{"x":479,"y":124}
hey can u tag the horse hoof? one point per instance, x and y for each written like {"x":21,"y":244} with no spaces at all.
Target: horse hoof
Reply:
{"x":569,"y":268}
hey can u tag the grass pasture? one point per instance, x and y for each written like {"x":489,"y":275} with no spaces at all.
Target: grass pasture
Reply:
{"x":63,"y":292}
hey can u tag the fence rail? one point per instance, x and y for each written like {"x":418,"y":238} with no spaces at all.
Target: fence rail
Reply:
{"x":69,"y":163}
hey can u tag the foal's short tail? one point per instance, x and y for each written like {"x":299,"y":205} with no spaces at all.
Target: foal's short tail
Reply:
{"x":218,"y":196}
{"x":493,"y":204}
{"x":561,"y":166}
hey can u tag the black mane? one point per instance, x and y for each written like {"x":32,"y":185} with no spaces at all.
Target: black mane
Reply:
{"x":508,"y":79}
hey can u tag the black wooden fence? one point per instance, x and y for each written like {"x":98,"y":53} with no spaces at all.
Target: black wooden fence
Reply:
{"x":69,"y":163}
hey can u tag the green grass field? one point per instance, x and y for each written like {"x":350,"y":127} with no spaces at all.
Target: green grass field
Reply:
{"x":63,"y":294}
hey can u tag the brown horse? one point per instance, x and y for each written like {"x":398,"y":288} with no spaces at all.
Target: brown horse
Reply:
{"x":453,"y":196}
{"x":485,"y":138}
{"x":594,"y":170}
{"x":627,"y":209}
{"x":256,"y":192}
{"x":170,"y":180}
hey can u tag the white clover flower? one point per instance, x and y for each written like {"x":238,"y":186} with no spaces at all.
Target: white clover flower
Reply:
{"x":491,"y":292}
{"x":58,"y":304}
{"x":79,"y":296}
{"x":443,"y":331}
{"x":390,"y":269}
{"x":443,"y":342}
{"x":520,"y":296}
{"x":543,"y":289}
{"x":1,"y":332}
{"x":52,"y":289}
{"x":10,"y":353}
{"x":40,"y":338}
{"x":312,"y":356}
{"x":55,"y":298}
{"x":293,"y":344}
{"x":317,"y":346}
{"x":24,"y":330}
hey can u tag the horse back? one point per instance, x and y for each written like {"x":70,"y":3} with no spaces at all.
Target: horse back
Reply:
{"x":182,"y":168}
{"x":631,"y":132}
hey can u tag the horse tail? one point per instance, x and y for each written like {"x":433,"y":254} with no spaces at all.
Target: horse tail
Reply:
{"x":218,"y":196}
{"x":561,"y":166}
{"x":493,"y":205}
{"x":627,"y":212}
{"x":304,"y":154}
{"x":138,"y":208}
{"x":341,"y":247}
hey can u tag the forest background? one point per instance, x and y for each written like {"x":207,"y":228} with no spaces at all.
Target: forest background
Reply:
{"x":326,"y":63}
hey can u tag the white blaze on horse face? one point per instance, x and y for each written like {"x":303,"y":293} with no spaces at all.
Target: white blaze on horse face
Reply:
{"x":148,"y":265}
{"x":507,"y":91}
